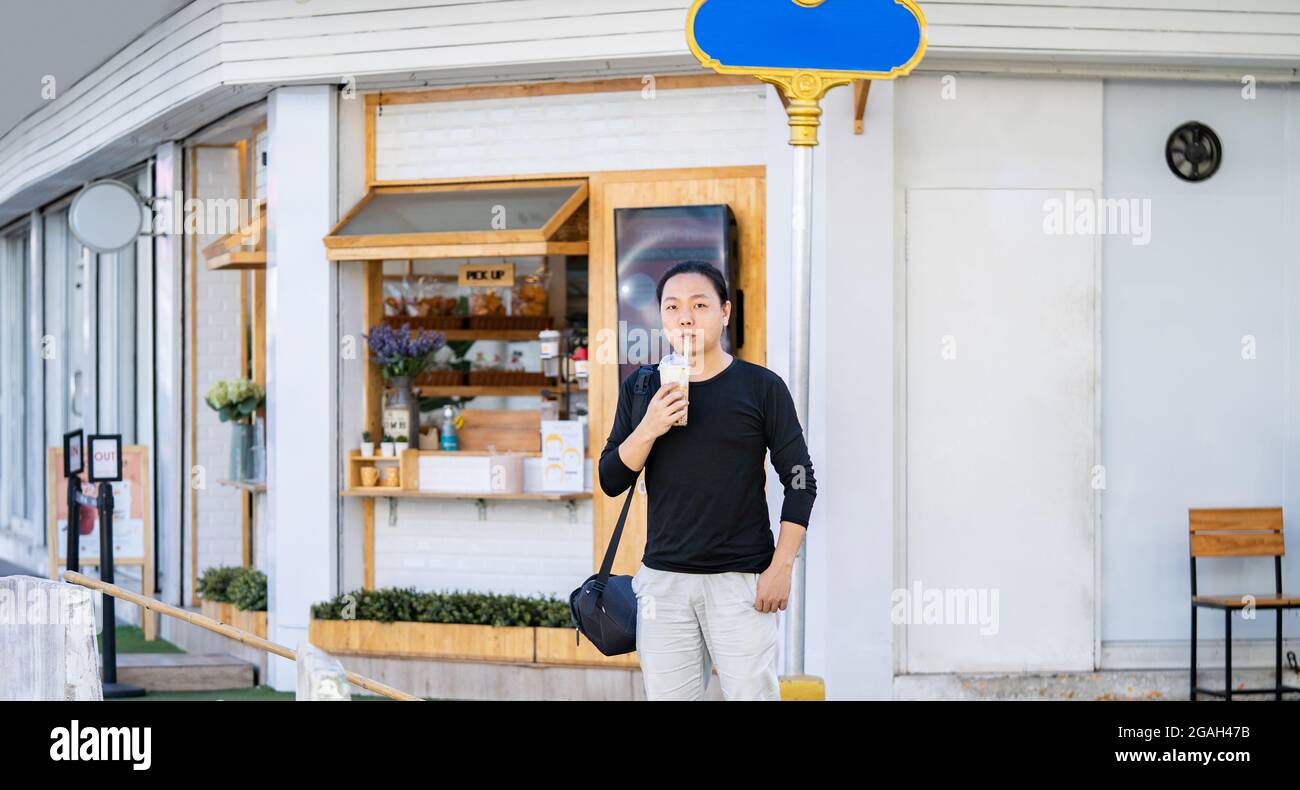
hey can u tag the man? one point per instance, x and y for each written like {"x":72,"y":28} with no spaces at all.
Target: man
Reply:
{"x":711,"y":580}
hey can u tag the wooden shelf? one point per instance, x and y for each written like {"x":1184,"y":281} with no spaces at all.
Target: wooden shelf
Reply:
{"x":466,"y":391}
{"x":244,"y":485}
{"x":379,"y":491}
{"x":483,"y":453}
{"x":508,"y":335}
{"x":370,"y":459}
{"x":238,"y":261}
{"x":233,"y":250}
{"x":503,"y":335}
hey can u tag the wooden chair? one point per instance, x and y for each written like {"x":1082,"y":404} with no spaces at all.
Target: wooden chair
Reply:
{"x":1240,"y":532}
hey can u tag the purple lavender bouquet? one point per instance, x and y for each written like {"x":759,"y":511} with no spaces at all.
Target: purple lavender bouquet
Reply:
{"x":402,"y":353}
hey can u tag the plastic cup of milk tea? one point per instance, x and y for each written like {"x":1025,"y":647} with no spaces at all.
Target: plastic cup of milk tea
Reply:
{"x":676,"y":368}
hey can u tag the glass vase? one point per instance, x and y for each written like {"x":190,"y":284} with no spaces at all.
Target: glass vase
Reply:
{"x":241,"y":451}
{"x":401,"y":410}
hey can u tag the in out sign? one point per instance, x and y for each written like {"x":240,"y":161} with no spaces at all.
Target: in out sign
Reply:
{"x":72,"y":449}
{"x":105,"y":458}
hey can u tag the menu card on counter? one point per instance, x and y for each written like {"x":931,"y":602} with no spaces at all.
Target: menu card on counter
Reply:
{"x":562,"y":467}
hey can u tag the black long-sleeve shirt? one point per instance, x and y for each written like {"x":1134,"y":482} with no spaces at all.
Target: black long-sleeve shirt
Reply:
{"x":706,"y":480}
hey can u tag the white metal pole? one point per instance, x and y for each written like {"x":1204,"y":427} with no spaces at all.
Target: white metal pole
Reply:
{"x":800,"y":306}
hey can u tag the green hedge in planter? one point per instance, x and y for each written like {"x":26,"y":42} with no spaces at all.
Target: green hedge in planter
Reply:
{"x":243,"y":587}
{"x":248,"y":590}
{"x":215,"y":582}
{"x":405,"y":604}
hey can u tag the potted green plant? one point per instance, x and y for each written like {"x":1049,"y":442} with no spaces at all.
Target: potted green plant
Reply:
{"x":400,"y":445}
{"x":387,"y":448}
{"x":236,"y":401}
{"x":235,"y":596}
{"x":367,"y":445}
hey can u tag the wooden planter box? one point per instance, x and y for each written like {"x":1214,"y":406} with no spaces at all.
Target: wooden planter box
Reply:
{"x":472,"y":642}
{"x":228,"y":613}
{"x":423,"y":640}
{"x":556,"y":646}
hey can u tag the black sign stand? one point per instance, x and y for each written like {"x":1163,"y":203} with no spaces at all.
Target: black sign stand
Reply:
{"x":112,"y":689}
{"x":74,"y":524}
{"x":72,"y":465}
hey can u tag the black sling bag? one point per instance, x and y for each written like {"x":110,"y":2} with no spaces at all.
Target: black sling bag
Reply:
{"x":604,"y":608}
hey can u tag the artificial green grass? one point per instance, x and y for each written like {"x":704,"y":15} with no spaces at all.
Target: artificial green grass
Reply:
{"x":130,"y":639}
{"x":256,"y":694}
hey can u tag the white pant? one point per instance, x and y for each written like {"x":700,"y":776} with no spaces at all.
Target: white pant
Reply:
{"x":686,"y":622}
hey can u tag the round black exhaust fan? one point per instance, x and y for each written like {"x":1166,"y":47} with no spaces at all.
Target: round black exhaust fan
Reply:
{"x":1193,"y":151}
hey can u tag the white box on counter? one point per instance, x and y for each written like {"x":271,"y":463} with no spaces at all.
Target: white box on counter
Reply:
{"x":472,"y":474}
{"x":456,"y":474}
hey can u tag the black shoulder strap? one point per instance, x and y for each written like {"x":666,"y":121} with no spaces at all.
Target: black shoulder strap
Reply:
{"x":641,"y":397}
{"x":641,"y":387}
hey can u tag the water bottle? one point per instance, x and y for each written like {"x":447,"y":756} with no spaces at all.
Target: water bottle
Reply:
{"x":448,"y":433}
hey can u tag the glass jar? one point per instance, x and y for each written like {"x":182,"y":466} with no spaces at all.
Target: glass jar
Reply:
{"x":550,"y":409}
{"x":529,"y":294}
{"x":394,"y":300}
{"x":418,"y":302}
{"x":488,"y":301}
{"x":438,"y":300}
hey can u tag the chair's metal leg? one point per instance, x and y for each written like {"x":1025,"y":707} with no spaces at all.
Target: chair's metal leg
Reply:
{"x":1278,"y":676}
{"x":1227,"y":664}
{"x":1193,"y":697}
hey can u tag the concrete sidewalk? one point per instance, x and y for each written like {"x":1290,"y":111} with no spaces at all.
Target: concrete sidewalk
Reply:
{"x":9,"y":569}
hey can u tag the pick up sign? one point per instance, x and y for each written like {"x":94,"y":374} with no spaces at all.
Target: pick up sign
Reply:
{"x":487,"y":275}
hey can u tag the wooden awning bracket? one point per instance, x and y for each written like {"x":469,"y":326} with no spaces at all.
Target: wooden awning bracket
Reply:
{"x":861,"y":88}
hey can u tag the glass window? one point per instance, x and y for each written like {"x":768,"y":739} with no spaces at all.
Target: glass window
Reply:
{"x":463,"y":210}
{"x":69,"y":318}
{"x":15,"y":446}
{"x":116,"y":274}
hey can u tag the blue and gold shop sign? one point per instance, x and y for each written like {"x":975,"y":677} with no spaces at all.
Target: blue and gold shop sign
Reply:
{"x":807,"y":47}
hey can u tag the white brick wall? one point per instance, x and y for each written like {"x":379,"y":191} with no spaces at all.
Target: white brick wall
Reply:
{"x":217,"y":342}
{"x":527,"y":548}
{"x":705,"y":127}
{"x":531,"y":547}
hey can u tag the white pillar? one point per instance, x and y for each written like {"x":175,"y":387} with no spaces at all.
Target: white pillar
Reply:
{"x":302,"y":367}
{"x":849,"y":563}
{"x":169,"y":394}
{"x":855,"y":413}
{"x":1291,"y":209}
